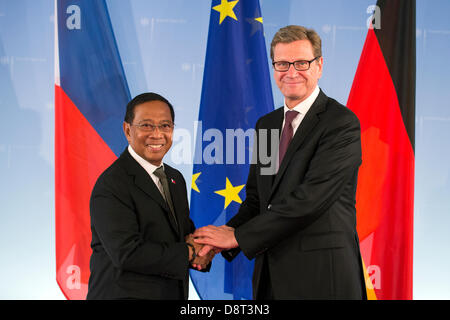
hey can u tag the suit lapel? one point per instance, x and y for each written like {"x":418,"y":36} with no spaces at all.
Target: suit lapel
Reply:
{"x":308,"y":123}
{"x":273,"y":123}
{"x":143,"y":181}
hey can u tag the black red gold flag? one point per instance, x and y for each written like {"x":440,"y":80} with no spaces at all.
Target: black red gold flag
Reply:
{"x":383,"y":98}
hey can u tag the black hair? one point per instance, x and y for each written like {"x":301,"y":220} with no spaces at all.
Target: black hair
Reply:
{"x":142,"y":98}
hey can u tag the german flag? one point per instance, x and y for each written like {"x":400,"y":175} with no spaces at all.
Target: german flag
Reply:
{"x":383,"y":98}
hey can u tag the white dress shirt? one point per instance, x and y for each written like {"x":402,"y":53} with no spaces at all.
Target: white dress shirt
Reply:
{"x":302,"y":108}
{"x":150,"y":168}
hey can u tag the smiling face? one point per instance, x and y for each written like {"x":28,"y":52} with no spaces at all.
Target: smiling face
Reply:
{"x":295,"y":85}
{"x":150,"y":145}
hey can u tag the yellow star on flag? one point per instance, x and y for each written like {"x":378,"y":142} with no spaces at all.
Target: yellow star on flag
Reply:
{"x":194,"y":179}
{"x":230,"y":193}
{"x":226,"y":9}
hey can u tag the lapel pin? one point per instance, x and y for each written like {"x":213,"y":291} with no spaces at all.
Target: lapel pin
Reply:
{"x":173,"y":181}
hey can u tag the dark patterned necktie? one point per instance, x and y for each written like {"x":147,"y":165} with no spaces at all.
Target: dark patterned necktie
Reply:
{"x":165,"y":184}
{"x":286,"y":135}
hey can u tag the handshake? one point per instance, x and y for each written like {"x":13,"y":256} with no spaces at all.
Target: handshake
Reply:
{"x":205,"y":242}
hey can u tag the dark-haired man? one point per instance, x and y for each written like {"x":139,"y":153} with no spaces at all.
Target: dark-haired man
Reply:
{"x":140,"y":215}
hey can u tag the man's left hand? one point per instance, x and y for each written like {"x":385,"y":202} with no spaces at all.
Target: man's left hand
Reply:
{"x":221,"y":237}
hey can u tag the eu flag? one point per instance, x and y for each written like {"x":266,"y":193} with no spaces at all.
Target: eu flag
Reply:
{"x":236,"y":92}
{"x":91,"y":93}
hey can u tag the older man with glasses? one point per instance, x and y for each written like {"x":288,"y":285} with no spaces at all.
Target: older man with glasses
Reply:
{"x":141,"y":242}
{"x":299,"y":223}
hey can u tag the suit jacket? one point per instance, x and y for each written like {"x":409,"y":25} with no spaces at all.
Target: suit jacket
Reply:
{"x":138,"y":251}
{"x":303,"y":218}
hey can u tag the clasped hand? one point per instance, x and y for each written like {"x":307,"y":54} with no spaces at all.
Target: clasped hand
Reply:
{"x":210,"y":240}
{"x":201,"y":261}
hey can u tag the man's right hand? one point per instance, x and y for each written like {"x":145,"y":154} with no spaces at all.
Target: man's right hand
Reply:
{"x":203,"y":257}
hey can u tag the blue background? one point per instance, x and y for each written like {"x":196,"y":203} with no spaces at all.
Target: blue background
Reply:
{"x":162,"y":45}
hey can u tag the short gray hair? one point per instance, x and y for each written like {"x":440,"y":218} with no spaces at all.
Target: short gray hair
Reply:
{"x":293,"y":33}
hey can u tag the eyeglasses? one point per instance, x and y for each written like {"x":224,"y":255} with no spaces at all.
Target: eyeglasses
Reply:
{"x":165,"y":127}
{"x":299,"y":65}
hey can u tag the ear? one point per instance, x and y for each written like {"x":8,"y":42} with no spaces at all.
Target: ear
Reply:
{"x":127,"y":131}
{"x":320,"y":66}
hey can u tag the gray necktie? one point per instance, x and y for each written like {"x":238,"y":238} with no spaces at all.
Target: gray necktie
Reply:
{"x":163,"y":178}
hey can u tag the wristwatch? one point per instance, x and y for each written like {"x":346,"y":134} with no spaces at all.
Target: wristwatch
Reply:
{"x":194,"y":254}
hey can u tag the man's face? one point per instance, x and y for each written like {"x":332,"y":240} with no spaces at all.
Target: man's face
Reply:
{"x":295,"y":85}
{"x":150,"y":145}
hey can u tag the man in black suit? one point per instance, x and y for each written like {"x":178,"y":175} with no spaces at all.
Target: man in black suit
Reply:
{"x":300,"y":222}
{"x":141,"y":243}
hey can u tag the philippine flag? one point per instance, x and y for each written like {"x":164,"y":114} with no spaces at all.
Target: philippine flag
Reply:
{"x":91,"y":93}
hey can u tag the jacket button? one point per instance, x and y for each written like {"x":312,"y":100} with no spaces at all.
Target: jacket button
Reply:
{"x":269,"y":207}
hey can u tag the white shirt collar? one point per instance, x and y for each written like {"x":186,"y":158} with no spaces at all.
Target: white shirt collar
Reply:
{"x":150,"y":168}
{"x":304,"y":106}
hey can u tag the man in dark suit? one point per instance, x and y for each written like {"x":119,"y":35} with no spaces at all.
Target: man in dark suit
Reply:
{"x":300,"y":222}
{"x":140,"y":215}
